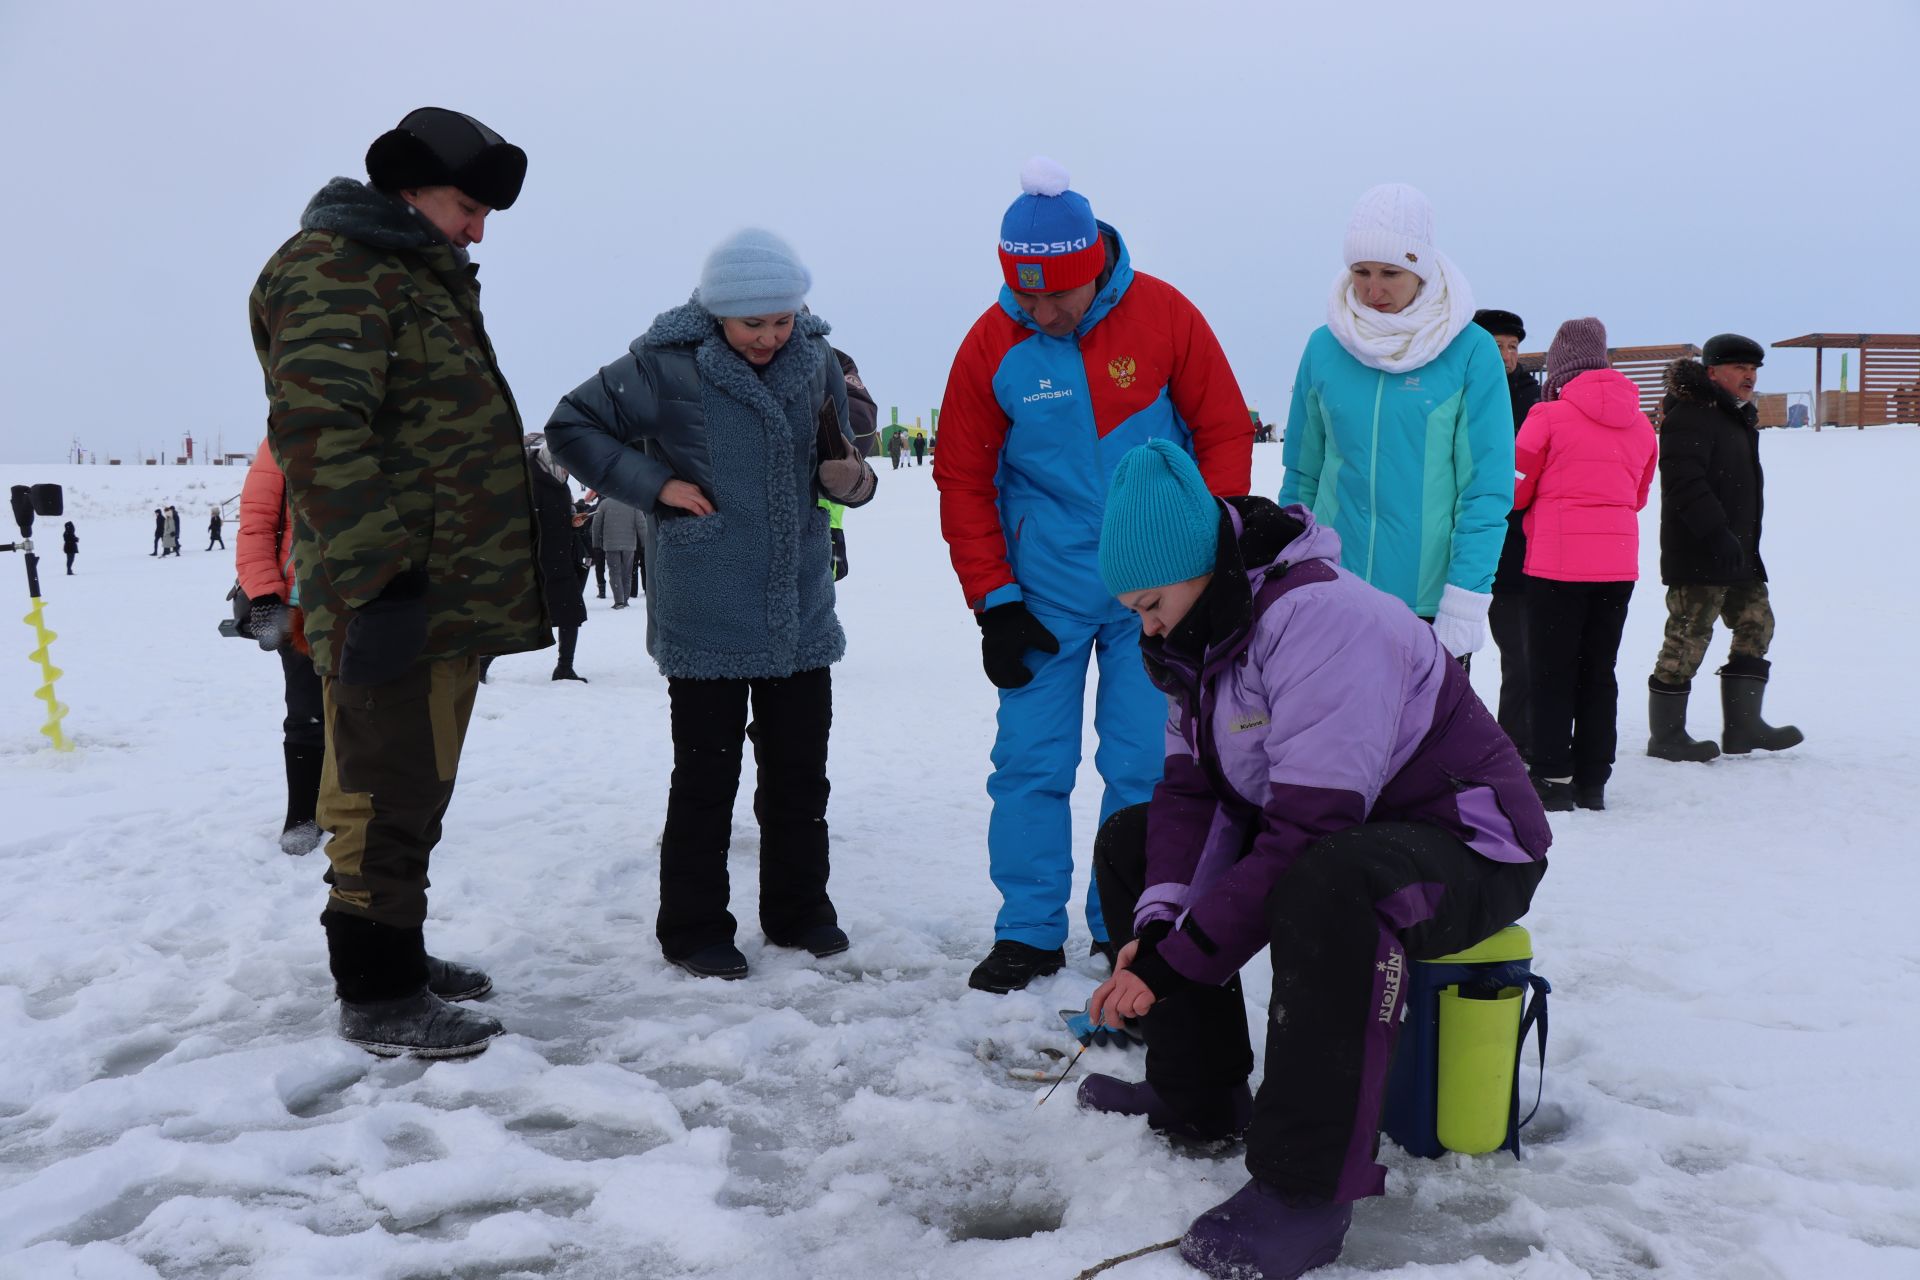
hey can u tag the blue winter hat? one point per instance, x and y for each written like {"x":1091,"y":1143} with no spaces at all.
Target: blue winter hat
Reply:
{"x":1049,"y":240}
{"x":1161,"y":525}
{"x":753,"y":273}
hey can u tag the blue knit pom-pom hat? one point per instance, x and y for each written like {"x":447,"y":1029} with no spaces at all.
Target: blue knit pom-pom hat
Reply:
{"x":1049,"y":240}
{"x":753,"y":273}
{"x":1161,"y":525}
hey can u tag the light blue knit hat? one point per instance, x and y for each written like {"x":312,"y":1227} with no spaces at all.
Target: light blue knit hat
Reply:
{"x":1162,"y":525}
{"x":753,"y":273}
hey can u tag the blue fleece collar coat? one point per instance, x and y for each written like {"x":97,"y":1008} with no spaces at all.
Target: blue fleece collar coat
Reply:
{"x":747,"y":592}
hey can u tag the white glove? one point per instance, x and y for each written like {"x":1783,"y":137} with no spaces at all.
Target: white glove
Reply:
{"x":1461,"y":622}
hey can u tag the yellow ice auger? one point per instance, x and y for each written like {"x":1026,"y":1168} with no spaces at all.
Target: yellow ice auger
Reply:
{"x":29,"y":501}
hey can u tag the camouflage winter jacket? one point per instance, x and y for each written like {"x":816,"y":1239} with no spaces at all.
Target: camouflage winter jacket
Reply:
{"x":397,"y":434}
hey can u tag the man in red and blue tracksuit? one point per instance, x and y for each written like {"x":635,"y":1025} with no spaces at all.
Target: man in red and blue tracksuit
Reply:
{"x":1081,"y":360}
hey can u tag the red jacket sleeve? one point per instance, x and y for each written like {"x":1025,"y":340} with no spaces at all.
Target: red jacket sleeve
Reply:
{"x":256,"y":548}
{"x":973,"y":430}
{"x":1207,"y":397}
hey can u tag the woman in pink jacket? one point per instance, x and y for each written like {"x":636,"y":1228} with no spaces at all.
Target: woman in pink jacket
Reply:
{"x":263,"y":557}
{"x":1583,"y":465}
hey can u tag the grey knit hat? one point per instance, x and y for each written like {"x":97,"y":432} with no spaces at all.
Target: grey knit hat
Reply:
{"x":1579,"y":347}
{"x":753,"y":273}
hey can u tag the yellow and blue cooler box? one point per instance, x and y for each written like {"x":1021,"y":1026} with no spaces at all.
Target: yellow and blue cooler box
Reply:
{"x":1455,"y":1083}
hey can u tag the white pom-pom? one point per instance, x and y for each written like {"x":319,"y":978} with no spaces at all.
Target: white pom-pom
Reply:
{"x":1043,"y":177}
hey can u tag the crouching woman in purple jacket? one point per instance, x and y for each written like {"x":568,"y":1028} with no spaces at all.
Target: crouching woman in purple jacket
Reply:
{"x":1333,"y":791}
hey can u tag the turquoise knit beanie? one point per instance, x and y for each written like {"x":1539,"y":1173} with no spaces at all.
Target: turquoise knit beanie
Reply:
{"x":1161,"y":524}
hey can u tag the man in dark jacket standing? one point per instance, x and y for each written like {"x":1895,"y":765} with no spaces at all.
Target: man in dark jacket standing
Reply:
{"x":1508,"y":615}
{"x":1710,"y":507}
{"x":413,"y":537}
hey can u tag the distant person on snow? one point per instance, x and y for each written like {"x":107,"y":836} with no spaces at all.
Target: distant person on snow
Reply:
{"x":263,"y":558}
{"x":1710,"y":503}
{"x":897,"y":447}
{"x":619,"y":533}
{"x":213,"y":532}
{"x":1584,"y":464}
{"x":723,"y":426}
{"x":159,"y":530}
{"x":1400,"y":434}
{"x":1334,"y":793}
{"x":413,"y":541}
{"x":557,"y":553}
{"x":1507,"y":616}
{"x":1081,"y":359}
{"x":170,"y":538}
{"x":919,"y":448}
{"x":70,"y":543}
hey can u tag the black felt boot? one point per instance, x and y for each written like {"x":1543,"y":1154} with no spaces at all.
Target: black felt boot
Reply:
{"x":301,"y":834}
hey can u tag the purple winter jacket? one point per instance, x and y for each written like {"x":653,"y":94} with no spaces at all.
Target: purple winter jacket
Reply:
{"x":1327,"y":705}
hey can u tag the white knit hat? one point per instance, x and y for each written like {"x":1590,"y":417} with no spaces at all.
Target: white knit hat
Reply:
{"x":1393,"y":223}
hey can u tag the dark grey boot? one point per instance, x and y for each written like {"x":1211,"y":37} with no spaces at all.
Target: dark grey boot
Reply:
{"x":453,"y":981}
{"x":1667,"y":720}
{"x":421,"y":1025}
{"x":1743,"y":687}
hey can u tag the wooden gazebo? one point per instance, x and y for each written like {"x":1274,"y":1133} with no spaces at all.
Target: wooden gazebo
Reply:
{"x":1888,"y":378}
{"x":1645,"y":367}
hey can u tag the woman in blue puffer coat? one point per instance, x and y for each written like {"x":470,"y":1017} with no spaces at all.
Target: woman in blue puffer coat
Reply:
{"x":1400,"y":434}
{"x":724,"y":425}
{"x":1333,"y":791}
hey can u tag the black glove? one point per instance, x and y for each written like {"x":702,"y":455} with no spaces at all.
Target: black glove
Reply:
{"x":1007,"y":631}
{"x":269,"y":621}
{"x":385,"y":635}
{"x":1725,"y":556}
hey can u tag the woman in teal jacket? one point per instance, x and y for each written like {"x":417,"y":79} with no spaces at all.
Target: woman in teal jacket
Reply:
{"x":1400,"y":435}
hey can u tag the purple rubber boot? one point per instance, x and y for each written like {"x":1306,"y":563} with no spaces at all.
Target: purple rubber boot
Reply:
{"x":1259,"y":1231}
{"x":1211,"y":1119}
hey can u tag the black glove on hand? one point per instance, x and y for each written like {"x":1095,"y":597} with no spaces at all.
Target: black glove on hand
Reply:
{"x":269,"y":621}
{"x":1007,"y":631}
{"x":386,"y":634}
{"x":1725,"y":555}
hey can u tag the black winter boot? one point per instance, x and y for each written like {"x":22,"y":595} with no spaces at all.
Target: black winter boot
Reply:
{"x":421,"y":1025}
{"x":1556,"y":794}
{"x":301,"y":834}
{"x":1590,"y":795}
{"x":1743,"y":686}
{"x":1667,"y":719}
{"x":1010,"y":966}
{"x":451,"y":980}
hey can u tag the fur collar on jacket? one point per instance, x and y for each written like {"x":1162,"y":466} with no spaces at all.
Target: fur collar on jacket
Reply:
{"x":793,"y":368}
{"x":358,"y":212}
{"x":1688,"y":383}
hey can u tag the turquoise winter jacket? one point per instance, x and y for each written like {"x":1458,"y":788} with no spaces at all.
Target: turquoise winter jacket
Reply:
{"x":1414,"y":470}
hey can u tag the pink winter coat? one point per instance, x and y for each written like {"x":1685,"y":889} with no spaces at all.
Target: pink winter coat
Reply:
{"x":1583,"y":465}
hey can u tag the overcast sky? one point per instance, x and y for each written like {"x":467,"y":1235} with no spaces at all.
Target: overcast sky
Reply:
{"x":1747,"y":166}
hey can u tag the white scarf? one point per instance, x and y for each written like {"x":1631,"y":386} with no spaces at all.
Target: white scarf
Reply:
{"x":1407,"y":339}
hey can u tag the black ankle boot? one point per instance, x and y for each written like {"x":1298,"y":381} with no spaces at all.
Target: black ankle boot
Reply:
{"x":1010,"y":966}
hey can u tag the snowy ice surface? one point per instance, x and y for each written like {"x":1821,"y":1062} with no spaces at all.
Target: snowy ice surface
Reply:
{"x":1732,"y":1080}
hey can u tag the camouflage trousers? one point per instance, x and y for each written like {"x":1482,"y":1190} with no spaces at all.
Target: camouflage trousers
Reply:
{"x":1690,"y":613}
{"x":393,"y":752}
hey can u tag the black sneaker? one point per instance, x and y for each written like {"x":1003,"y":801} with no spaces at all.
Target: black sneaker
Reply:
{"x":421,"y":1025}
{"x":452,"y":981}
{"x":822,"y":940}
{"x":721,"y":960}
{"x":1102,"y":947}
{"x":1591,"y":795}
{"x":1010,"y":966}
{"x":568,"y":673}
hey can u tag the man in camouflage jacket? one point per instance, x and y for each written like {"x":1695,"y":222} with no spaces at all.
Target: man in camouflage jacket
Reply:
{"x":413,"y":538}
